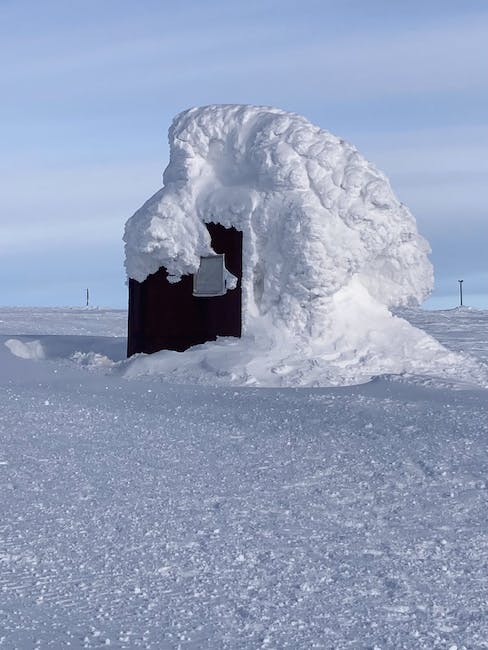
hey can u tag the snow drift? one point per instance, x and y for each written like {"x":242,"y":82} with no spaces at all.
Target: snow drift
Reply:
{"x":328,"y":249}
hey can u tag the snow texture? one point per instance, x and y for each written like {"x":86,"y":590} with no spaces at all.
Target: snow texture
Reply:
{"x":143,"y":514}
{"x":314,"y":214}
{"x":328,"y":249}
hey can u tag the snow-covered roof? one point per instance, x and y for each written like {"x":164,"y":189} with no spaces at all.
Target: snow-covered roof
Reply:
{"x":313,"y":211}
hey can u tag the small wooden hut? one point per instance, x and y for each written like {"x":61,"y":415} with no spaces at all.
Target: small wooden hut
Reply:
{"x":198,"y":308}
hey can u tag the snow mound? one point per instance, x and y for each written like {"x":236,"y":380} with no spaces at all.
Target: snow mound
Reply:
{"x":365,"y":340}
{"x":25,"y":349}
{"x":328,"y":249}
{"x":92,"y":360}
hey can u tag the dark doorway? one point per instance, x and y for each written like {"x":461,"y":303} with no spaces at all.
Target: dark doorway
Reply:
{"x":165,"y":316}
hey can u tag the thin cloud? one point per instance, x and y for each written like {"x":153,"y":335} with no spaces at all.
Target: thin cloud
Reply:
{"x":440,"y":58}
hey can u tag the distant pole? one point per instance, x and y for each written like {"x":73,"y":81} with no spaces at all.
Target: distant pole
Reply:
{"x":87,"y":297}
{"x":460,"y":292}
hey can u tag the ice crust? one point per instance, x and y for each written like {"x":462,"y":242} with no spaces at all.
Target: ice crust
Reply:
{"x":328,"y":249}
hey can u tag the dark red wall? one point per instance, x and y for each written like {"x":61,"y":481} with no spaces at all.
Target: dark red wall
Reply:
{"x":165,"y":316}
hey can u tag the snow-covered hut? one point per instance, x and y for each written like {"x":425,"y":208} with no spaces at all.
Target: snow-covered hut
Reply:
{"x":269,"y":227}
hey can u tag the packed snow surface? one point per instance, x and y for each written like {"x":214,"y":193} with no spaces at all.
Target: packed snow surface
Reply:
{"x":328,"y":248}
{"x":145,"y":514}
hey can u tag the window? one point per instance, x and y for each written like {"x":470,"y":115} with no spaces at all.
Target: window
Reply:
{"x":210,"y":279}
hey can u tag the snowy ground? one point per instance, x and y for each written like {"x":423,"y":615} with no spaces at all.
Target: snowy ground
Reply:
{"x":137,"y":513}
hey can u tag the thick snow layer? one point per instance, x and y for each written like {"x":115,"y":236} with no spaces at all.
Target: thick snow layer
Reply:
{"x":326,"y":244}
{"x":313,"y":211}
{"x":142,"y":514}
{"x":364,"y":340}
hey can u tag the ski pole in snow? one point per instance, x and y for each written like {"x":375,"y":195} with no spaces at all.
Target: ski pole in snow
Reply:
{"x":87,"y":297}
{"x":460,"y":292}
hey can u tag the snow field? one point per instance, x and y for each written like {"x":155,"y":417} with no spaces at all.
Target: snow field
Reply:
{"x":156,"y":515}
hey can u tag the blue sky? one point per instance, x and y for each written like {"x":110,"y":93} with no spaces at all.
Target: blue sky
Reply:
{"x":89,"y":89}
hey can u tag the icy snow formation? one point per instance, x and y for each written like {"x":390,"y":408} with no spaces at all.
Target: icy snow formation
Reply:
{"x":328,"y":249}
{"x":313,"y":211}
